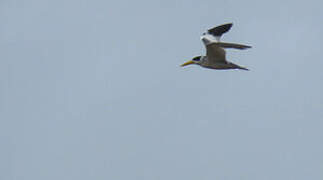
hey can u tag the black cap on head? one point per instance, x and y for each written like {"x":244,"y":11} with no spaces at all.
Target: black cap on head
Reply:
{"x":197,"y":58}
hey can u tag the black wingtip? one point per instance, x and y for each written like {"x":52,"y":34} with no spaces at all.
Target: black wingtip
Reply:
{"x":219,"y":30}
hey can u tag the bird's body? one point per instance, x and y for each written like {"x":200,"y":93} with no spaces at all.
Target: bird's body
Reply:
{"x":215,"y":50}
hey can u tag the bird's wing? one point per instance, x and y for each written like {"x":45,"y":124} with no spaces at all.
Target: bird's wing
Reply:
{"x":207,"y":39}
{"x":215,"y":53}
{"x":219,"y":30}
{"x":232,"y":45}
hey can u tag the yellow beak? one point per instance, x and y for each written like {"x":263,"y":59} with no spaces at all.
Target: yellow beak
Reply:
{"x":187,"y":63}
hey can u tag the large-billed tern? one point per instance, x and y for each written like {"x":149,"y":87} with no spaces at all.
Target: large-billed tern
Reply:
{"x":215,"y":50}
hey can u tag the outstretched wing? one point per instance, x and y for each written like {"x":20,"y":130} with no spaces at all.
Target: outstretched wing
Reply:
{"x":215,"y":50}
{"x":219,"y":30}
{"x":232,"y":45}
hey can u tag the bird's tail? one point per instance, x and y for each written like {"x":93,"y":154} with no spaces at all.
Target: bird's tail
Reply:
{"x":235,"y":66}
{"x":243,"y":68}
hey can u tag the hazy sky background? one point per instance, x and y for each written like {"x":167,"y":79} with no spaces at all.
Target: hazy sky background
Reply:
{"x":93,"y":90}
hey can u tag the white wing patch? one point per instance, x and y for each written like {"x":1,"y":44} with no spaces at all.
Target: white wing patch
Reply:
{"x":208,"y":39}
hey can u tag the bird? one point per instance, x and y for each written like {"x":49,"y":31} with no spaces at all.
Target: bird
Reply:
{"x":215,"y":57}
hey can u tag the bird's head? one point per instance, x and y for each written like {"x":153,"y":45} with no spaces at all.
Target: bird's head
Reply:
{"x":195,"y":60}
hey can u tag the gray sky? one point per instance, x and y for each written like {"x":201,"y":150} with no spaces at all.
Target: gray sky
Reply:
{"x":93,"y":90}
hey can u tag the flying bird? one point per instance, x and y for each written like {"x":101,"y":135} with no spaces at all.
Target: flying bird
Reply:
{"x":215,"y":50}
